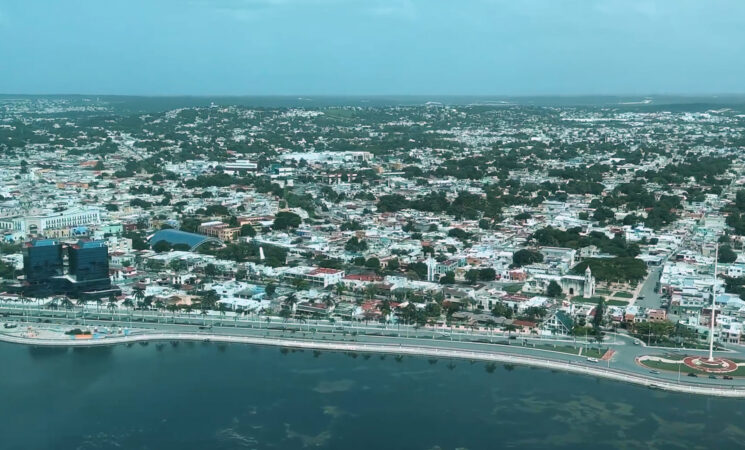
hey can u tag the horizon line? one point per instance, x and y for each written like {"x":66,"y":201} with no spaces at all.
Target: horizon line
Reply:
{"x":723,"y":94}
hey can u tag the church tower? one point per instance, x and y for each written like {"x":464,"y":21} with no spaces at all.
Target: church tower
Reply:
{"x":589,"y":285}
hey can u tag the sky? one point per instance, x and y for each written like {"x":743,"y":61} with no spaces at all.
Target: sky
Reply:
{"x":372,"y":47}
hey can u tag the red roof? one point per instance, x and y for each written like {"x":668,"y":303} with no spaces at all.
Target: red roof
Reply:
{"x":363,"y":277}
{"x":323,"y":270}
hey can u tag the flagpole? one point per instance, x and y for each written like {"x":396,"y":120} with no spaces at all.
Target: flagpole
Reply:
{"x":713,"y":301}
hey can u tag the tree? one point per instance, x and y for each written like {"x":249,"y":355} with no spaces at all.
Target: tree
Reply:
{"x":372,"y":263}
{"x":597,"y":320}
{"x":208,"y":299}
{"x":524,"y":257}
{"x":487,"y":274}
{"x":139,"y":295}
{"x":459,"y":234}
{"x":472,"y":276}
{"x":285,"y":219}
{"x":502,"y":310}
{"x":270,"y":289}
{"x":614,"y":269}
{"x":603,"y":214}
{"x":448,"y":278}
{"x":726,"y":254}
{"x":210,"y":270}
{"x":7,"y":271}
{"x":248,"y":230}
{"x":177,"y":265}
{"x":355,"y":245}
{"x":393,"y":264}
{"x":162,"y":247}
{"x":554,"y":289}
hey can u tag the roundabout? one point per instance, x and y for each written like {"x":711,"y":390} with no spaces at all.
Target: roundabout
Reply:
{"x":715,"y":365}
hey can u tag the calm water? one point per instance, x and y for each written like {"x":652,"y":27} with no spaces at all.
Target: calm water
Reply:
{"x":204,"y":396}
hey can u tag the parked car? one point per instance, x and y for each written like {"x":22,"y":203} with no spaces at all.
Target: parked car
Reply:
{"x":728,"y":377}
{"x":691,"y":374}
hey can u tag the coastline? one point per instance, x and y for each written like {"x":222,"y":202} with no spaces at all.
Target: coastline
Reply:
{"x":401,"y":349}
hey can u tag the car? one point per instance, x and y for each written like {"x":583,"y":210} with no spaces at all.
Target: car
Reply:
{"x":691,"y":374}
{"x":641,"y":297}
{"x":713,"y":377}
{"x":513,"y":337}
{"x":656,"y":372}
{"x":592,"y":359}
{"x":728,"y":377}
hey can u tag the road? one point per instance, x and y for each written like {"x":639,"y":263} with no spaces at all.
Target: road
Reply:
{"x":651,"y":299}
{"x":623,"y":360}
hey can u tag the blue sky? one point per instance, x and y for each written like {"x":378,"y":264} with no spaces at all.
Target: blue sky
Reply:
{"x":368,"y":47}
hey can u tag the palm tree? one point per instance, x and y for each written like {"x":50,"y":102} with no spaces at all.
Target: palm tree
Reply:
{"x":238,"y":313}
{"x":67,"y":304}
{"x":203,"y":311}
{"x":129,"y":304}
{"x":221,"y":307}
{"x":208,"y":299}
{"x":159,"y":305}
{"x":99,"y":302}
{"x":139,"y":294}
{"x":290,"y":302}
{"x":111,"y":306}
{"x":510,"y":328}
{"x":172,"y":308}
{"x":22,"y":299}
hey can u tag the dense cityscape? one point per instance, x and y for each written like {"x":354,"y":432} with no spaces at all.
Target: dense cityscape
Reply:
{"x":485,"y":218}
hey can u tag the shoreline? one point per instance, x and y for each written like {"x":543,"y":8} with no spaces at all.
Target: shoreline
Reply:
{"x":422,"y":351}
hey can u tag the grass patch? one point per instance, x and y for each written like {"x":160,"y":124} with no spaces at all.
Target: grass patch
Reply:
{"x":593,"y":300}
{"x":592,"y":352}
{"x":623,"y":294}
{"x":513,"y":288}
{"x":602,"y":291}
{"x":558,"y":348}
{"x":617,"y":303}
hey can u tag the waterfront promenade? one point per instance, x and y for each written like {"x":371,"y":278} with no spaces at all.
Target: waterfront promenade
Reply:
{"x":622,"y":367}
{"x":400,"y":349}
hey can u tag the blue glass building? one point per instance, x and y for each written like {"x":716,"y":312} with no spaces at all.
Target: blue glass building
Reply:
{"x":42,"y":265}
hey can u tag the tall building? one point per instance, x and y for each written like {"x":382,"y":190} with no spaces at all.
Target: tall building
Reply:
{"x":42,"y":265}
{"x":88,"y":263}
{"x":87,"y":275}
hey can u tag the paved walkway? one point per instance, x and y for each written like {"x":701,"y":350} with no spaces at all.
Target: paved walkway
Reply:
{"x":398,"y":349}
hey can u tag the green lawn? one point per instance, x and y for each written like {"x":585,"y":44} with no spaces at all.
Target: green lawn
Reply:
{"x":512,"y":288}
{"x":593,"y":300}
{"x":622,"y":294}
{"x":558,"y":348}
{"x":591,"y":352}
{"x":596,"y":300}
{"x":602,"y":291}
{"x":617,"y":303}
